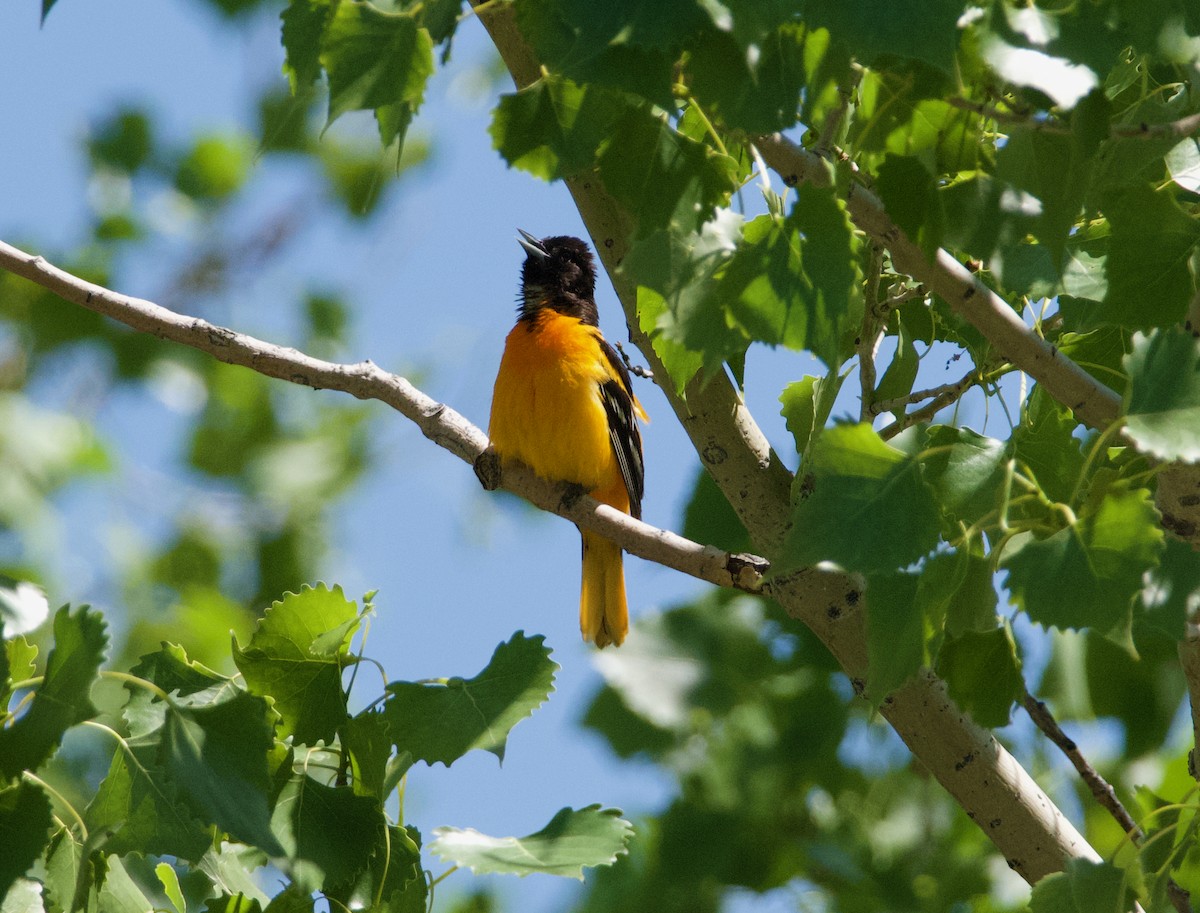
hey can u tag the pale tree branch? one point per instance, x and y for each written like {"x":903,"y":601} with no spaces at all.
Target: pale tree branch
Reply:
{"x":988,"y":782}
{"x":1092,"y":402}
{"x":1182,"y":128}
{"x":437,"y":421}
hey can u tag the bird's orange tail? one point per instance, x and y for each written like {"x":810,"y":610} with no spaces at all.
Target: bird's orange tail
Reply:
{"x":603,"y":614}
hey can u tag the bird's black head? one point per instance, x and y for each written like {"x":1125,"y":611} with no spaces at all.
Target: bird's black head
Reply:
{"x":558,"y":273}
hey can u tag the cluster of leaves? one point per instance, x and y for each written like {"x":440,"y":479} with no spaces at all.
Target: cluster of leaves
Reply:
{"x":218,"y":776}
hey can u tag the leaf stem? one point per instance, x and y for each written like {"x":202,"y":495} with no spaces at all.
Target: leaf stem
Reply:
{"x":33,"y":778}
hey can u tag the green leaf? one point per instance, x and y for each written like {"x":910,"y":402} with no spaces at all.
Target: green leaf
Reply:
{"x":664,"y":178}
{"x":807,"y":404}
{"x":965,"y":470}
{"x":119,"y":893}
{"x":217,"y":757}
{"x":895,"y":633}
{"x":171,"y":670}
{"x":677,"y":297}
{"x":924,"y":30}
{"x":1170,"y":589}
{"x":396,"y":877}
{"x":295,"y":657}
{"x":141,"y":811}
{"x":910,"y":196}
{"x":24,"y":830}
{"x":756,"y":92}
{"x":1149,"y":280}
{"x":215,"y":167}
{"x":796,"y":282}
{"x":62,"y":700}
{"x":376,"y":61}
{"x":1163,"y":401}
{"x":169,"y":879}
{"x":68,"y":877}
{"x":861,"y":504}
{"x":572,"y":841}
{"x":233,"y":903}
{"x":25,"y":896}
{"x":630,"y":47}
{"x":1183,"y":164}
{"x":330,"y":828}
{"x":304,"y":23}
{"x":365,"y":738}
{"x":1044,"y":443}
{"x":47,"y":5}
{"x":983,"y":672}
{"x":230,"y":867}
{"x":19,"y":660}
{"x":554,"y":128}
{"x":1086,"y":575}
{"x":961,"y":589}
{"x":442,"y":722}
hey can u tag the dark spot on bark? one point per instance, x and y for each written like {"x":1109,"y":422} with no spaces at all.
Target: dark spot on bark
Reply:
{"x":608,"y":242}
{"x":1189,"y":500}
{"x":969,"y":293}
{"x":852,"y":597}
{"x":966,"y":761}
{"x":995,"y":822}
{"x":860,"y":687}
{"x":834,"y":612}
{"x":791,"y":180}
{"x":808,"y":485}
{"x":301,"y":379}
{"x":714,"y":454}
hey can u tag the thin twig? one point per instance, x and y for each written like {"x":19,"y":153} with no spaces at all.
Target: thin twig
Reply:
{"x":1100,"y":788}
{"x":946,"y":394}
{"x":635,"y":370}
{"x":869,"y":335}
{"x":437,"y":421}
{"x":1182,"y":128}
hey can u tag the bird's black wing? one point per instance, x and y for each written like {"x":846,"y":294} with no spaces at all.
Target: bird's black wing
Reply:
{"x":623,"y":430}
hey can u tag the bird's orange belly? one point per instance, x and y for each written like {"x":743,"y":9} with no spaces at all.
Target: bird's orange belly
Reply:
{"x":547,"y":410}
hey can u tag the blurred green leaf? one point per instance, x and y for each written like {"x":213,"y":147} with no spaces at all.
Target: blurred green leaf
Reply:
{"x":24,"y":830}
{"x":443,"y":721}
{"x":295,"y":657}
{"x":124,"y":141}
{"x":217,"y":757}
{"x":758,"y":93}
{"x":1163,"y":401}
{"x":573,"y":840}
{"x":861,"y":504}
{"x":807,"y":404}
{"x":215,"y":167}
{"x":62,"y":700}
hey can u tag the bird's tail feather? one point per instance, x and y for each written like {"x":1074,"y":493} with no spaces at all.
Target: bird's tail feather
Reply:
{"x":603,"y":614}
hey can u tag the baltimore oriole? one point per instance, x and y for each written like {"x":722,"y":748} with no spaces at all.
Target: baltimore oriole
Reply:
{"x":564,"y":406}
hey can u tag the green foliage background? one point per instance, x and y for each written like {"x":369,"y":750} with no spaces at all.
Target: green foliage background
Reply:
{"x":1050,"y":147}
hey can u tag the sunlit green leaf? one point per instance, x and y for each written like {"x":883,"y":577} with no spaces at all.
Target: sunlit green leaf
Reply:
{"x":304,"y":23}
{"x":895,"y":633}
{"x":966,"y":471}
{"x":296,"y":656}
{"x":861,"y":504}
{"x":61,"y":701}
{"x":443,"y":721}
{"x":807,"y":404}
{"x":330,"y":828}
{"x":574,"y":839}
{"x":1087,"y":574}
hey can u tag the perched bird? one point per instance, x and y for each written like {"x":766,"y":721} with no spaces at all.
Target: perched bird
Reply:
{"x":564,"y":406}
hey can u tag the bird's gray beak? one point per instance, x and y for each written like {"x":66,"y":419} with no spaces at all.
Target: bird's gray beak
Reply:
{"x":532,"y":245}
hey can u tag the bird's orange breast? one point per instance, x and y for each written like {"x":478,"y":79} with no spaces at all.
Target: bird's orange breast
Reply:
{"x":547,"y":409}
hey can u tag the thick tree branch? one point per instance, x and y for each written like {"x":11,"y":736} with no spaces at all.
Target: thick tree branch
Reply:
{"x":994,"y":789}
{"x":437,"y":421}
{"x":1092,"y":402}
